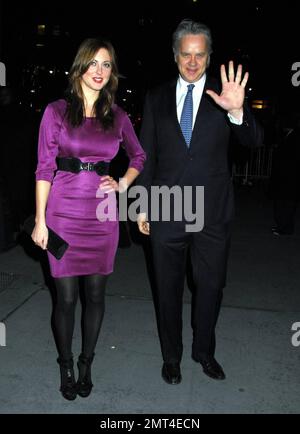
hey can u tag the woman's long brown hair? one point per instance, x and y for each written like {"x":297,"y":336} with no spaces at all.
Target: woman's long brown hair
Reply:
{"x":74,"y":95}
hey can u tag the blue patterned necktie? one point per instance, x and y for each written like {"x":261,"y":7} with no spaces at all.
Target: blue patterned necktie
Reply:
{"x":186,"y":120}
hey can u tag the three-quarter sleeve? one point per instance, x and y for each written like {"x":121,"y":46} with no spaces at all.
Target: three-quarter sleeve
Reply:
{"x":135,"y":152}
{"x":48,"y":144}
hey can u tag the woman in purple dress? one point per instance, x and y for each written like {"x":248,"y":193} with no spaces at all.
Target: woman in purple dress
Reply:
{"x":78,"y":138}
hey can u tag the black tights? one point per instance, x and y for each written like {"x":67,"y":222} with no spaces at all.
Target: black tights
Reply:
{"x":64,"y":312}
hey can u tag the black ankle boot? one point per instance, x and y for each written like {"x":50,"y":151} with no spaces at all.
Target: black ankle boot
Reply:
{"x":84,"y":382}
{"x":68,"y":385}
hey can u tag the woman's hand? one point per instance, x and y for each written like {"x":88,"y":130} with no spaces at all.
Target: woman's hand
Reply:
{"x":108,"y":184}
{"x":40,"y":235}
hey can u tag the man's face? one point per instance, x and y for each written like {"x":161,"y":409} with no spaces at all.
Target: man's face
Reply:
{"x":192,"y":58}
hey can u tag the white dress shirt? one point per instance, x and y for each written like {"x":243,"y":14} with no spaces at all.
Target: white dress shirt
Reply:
{"x":181,"y":91}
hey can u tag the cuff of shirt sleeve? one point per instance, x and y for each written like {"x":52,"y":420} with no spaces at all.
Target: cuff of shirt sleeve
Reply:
{"x":234,"y":120}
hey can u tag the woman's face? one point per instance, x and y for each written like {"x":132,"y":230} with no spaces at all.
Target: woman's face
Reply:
{"x":99,"y":71}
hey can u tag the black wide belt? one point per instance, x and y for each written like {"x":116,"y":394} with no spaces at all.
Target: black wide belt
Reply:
{"x":75,"y":165}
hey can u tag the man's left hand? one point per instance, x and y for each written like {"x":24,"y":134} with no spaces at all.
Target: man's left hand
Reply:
{"x":232,"y":96}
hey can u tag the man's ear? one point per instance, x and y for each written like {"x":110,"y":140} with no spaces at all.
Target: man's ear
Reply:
{"x":208,"y":61}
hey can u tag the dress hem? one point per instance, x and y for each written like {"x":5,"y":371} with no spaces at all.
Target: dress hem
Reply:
{"x":82,"y":274}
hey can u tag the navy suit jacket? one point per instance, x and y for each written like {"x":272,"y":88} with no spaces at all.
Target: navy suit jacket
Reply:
{"x":205,"y":163}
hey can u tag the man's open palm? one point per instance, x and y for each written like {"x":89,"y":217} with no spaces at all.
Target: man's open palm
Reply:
{"x":233,"y":89}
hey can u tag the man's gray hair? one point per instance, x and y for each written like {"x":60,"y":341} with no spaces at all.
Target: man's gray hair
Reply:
{"x":190,"y":27}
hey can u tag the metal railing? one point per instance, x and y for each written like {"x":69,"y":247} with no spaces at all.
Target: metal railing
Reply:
{"x":258,"y":165}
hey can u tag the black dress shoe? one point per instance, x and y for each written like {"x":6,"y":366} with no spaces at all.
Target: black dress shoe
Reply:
{"x":171,"y":373}
{"x":212,"y":368}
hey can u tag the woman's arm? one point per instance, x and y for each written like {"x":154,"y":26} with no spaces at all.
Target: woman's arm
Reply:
{"x":46,"y":167}
{"x":40,"y":231}
{"x":130,"y":175}
{"x":136,"y":157}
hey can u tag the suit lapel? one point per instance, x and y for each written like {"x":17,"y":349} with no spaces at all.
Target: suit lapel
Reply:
{"x":173,"y":111}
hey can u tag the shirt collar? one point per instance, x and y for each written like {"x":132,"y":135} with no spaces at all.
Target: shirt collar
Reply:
{"x":182,"y":84}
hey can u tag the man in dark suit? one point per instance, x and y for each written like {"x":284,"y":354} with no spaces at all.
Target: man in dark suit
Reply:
{"x":185,"y":133}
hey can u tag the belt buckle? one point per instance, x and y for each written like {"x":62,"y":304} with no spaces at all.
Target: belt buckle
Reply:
{"x":85,"y":166}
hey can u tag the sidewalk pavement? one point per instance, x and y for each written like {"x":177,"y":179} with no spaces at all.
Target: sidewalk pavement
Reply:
{"x":254,"y":336}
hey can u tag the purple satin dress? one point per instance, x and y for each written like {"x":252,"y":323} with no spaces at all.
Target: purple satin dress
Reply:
{"x":74,"y":199}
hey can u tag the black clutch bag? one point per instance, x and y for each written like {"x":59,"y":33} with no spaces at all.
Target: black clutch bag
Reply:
{"x":56,"y":245}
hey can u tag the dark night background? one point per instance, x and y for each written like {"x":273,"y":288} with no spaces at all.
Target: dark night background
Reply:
{"x":260,"y":35}
{"x":38,"y":41}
